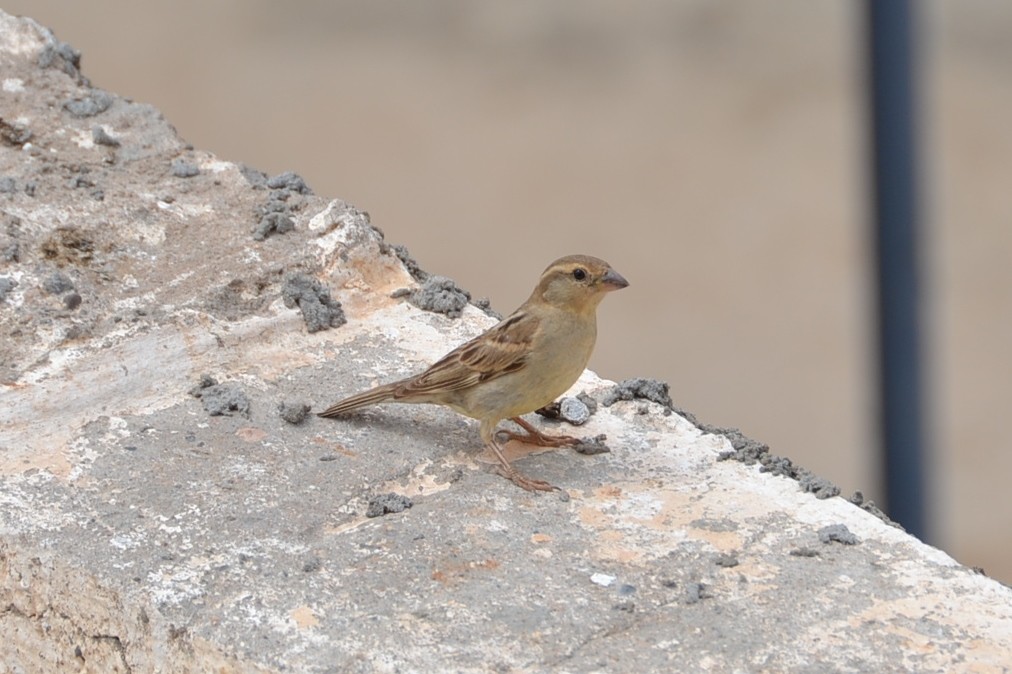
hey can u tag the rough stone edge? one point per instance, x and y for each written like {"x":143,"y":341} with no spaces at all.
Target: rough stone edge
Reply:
{"x":57,"y":601}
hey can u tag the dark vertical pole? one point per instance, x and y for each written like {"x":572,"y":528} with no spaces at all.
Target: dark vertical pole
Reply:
{"x":893,"y":79}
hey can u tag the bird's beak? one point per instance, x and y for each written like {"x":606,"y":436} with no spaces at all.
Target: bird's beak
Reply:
{"x":612,"y":280}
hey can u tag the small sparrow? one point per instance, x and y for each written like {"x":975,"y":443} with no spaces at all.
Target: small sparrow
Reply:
{"x":525,"y":362}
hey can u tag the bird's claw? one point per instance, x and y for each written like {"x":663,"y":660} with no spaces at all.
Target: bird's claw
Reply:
{"x":539,"y":439}
{"x":527,"y":483}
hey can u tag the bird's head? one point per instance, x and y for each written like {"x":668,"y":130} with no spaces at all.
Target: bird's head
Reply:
{"x":577,"y":282}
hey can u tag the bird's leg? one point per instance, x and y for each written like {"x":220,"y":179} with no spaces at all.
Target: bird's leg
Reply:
{"x":511,"y":473}
{"x":535,"y":437}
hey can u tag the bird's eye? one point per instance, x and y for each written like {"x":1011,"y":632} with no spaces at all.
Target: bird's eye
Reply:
{"x":579,"y":274}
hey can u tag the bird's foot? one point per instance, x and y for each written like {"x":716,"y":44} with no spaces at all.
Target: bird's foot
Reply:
{"x":524,"y":482}
{"x":540,"y":439}
{"x":512,"y":474}
{"x":533,"y":436}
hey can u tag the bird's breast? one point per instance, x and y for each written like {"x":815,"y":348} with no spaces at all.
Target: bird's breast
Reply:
{"x":556,"y":360}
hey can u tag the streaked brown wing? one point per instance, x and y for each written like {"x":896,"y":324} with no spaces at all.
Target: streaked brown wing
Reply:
{"x":501,"y":350}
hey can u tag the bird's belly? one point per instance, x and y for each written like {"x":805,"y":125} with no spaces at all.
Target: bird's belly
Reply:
{"x":544,"y":378}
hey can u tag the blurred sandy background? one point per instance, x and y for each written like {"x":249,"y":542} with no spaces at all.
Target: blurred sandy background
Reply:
{"x":713,"y":152}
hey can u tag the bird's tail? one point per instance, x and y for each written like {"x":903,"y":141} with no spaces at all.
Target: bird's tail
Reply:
{"x":379,"y":394}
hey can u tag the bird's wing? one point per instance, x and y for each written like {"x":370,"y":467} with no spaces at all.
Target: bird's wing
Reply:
{"x":501,"y":350}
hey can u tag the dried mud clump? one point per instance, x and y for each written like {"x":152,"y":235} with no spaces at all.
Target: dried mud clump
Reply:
{"x":319,"y":309}
{"x":653,"y":390}
{"x":437,"y":294}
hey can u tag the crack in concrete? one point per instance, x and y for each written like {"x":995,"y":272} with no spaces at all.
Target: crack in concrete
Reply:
{"x":604,"y":633}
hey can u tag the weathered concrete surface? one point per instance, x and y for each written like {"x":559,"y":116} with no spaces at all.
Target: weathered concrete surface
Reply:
{"x":138,"y":533}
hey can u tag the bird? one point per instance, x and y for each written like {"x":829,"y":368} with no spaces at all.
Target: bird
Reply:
{"x":521,"y":364}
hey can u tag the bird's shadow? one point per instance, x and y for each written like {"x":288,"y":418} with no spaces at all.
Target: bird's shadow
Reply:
{"x":432,"y":427}
{"x":418,"y":434}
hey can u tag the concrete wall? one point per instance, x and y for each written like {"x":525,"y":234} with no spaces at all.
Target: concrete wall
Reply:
{"x":167,"y":506}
